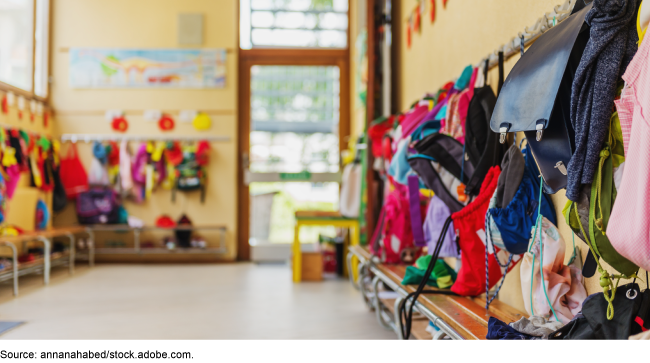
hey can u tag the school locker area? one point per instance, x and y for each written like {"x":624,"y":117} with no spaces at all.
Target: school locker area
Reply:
{"x":324,"y":169}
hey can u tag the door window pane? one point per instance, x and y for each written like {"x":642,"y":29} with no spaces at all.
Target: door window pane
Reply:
{"x":293,"y":23}
{"x":16,"y":42}
{"x":294,"y":119}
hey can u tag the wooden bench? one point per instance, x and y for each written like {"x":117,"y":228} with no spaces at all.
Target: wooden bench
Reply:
{"x":456,"y":316}
{"x":48,"y":260}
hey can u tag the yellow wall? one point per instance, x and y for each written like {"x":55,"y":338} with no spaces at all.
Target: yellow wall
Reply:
{"x":464,"y":33}
{"x":152,"y":24}
{"x":21,"y":209}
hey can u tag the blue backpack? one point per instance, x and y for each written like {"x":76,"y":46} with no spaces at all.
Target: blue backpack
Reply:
{"x":510,"y":227}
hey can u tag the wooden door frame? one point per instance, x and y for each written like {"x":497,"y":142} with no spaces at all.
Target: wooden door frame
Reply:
{"x":281,"y":57}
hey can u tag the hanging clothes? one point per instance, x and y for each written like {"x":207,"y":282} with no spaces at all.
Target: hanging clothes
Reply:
{"x":611,"y":46}
{"x":629,"y":224}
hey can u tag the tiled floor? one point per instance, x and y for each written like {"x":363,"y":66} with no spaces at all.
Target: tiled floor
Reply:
{"x":223,"y":301}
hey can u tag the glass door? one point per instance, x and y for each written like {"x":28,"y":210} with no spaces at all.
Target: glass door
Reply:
{"x":293,"y":158}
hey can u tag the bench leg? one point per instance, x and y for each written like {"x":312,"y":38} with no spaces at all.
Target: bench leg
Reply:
{"x":14,"y":264}
{"x":379,"y":311}
{"x":72,"y":253}
{"x":354,"y":283}
{"x":398,"y":319}
{"x":365,"y":293}
{"x":47,"y":248}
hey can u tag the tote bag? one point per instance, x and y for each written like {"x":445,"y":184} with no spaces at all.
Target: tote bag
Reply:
{"x":73,"y":174}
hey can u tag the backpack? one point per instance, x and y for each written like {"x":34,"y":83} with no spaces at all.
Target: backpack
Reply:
{"x":482,"y":147}
{"x":509,"y":226}
{"x":536,"y":97}
{"x":392,"y":240}
{"x":439,"y":163}
{"x":190,"y":176}
{"x":98,"y":206}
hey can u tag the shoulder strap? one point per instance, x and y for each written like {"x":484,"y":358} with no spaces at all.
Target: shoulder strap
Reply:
{"x":414,"y":208}
{"x":500,"y":72}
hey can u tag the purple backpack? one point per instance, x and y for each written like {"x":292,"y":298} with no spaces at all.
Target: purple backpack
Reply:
{"x":98,"y":206}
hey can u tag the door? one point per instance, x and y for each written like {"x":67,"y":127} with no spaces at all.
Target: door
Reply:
{"x":294,"y":125}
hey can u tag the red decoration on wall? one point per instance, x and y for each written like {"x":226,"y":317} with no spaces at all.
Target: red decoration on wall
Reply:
{"x":120,"y":124}
{"x":46,"y":119}
{"x":444,"y":3}
{"x":5,"y":104}
{"x":166,"y":123}
{"x":20,"y":114}
{"x":433,"y":10}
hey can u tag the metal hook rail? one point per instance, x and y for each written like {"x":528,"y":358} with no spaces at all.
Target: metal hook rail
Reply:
{"x":530,"y":34}
{"x":110,"y":137}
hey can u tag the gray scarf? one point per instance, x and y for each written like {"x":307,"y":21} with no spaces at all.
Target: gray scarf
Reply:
{"x":611,"y":47}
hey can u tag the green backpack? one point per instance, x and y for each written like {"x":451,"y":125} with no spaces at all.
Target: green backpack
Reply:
{"x":190,"y":176}
{"x":588,"y":218}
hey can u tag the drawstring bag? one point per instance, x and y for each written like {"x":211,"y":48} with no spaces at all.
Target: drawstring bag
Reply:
{"x":126,"y":180}
{"x":632,"y":316}
{"x":469,"y":223}
{"x":589,"y":219}
{"x":439,"y":163}
{"x":629,"y":227}
{"x":509,"y":226}
{"x":73,"y":174}
{"x":558,"y":293}
{"x":98,"y":176}
{"x":437,"y":214}
{"x":470,"y":229}
{"x":59,"y":198}
{"x":393,"y":237}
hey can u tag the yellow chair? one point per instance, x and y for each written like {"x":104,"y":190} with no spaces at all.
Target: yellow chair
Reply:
{"x":317,"y":218}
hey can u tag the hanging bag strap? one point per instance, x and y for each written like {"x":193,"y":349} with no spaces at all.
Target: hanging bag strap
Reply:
{"x":500,"y":73}
{"x":406,"y":312}
{"x":414,"y":208}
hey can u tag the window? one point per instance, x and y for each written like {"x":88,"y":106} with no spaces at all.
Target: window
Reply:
{"x":293,"y":23}
{"x":24,"y":36}
{"x":294,"y":119}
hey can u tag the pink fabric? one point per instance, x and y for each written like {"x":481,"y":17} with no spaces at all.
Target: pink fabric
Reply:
{"x":413,"y":119}
{"x":465,"y":97}
{"x":564,"y":284}
{"x":13,"y":176}
{"x":629,"y":225}
{"x":625,"y":109}
{"x":451,"y":124}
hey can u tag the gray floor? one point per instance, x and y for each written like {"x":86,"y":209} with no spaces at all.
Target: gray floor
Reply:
{"x":228,"y":301}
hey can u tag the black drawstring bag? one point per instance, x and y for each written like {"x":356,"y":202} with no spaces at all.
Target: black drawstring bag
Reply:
{"x":536,"y":97}
{"x":632,"y":316}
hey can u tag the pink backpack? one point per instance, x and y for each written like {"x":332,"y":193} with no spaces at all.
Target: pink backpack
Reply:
{"x":392,"y":240}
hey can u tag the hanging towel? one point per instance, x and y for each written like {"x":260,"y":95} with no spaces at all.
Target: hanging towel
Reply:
{"x":610,"y":48}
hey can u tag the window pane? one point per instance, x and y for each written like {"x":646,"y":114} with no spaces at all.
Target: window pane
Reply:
{"x":16,"y":42}
{"x":294,"y":119}
{"x":293,"y":23}
{"x":42,"y":47}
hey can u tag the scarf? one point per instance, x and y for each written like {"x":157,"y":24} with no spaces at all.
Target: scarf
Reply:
{"x":611,"y":47}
